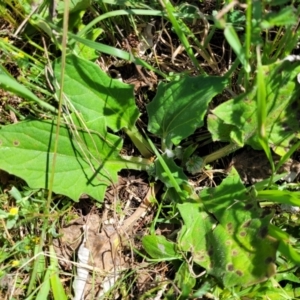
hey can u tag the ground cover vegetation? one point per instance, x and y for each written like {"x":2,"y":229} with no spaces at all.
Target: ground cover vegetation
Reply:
{"x":149,"y":150}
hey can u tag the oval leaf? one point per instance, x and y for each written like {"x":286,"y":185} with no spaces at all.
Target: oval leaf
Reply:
{"x":159,"y":247}
{"x":86,"y":162}
{"x":94,"y":94}
{"x":179,"y":107}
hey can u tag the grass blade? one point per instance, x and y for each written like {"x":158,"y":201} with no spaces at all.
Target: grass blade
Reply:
{"x":262,"y":112}
{"x":180,"y":33}
{"x":8,"y":83}
{"x":233,"y":40}
{"x":56,"y":285}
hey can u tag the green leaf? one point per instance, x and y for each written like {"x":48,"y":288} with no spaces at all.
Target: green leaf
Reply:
{"x":88,"y":156}
{"x":283,"y":17}
{"x":231,"y":189}
{"x":236,"y":120}
{"x":85,"y":51}
{"x":234,"y":41}
{"x":158,"y":247}
{"x":185,"y":280}
{"x":8,"y":83}
{"x":179,"y":107}
{"x":56,"y":283}
{"x":87,"y":162}
{"x":271,"y":291}
{"x":74,"y":6}
{"x":176,"y":172}
{"x":173,"y":177}
{"x":237,"y":250}
{"x":283,"y":197}
{"x":94,"y":94}
{"x":11,"y":222}
{"x":197,"y":225}
{"x":286,"y":244}
{"x":45,"y":286}
{"x":288,"y":277}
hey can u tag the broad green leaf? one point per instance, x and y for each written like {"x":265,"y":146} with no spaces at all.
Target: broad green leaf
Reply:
{"x":86,"y":162}
{"x":94,"y":94}
{"x":230,"y":190}
{"x":88,"y":157}
{"x":237,"y":250}
{"x":197,"y":226}
{"x":236,"y":120}
{"x":185,"y":280}
{"x":158,"y":247}
{"x":179,"y":107}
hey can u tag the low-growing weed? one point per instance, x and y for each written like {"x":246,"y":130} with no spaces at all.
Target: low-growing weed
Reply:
{"x":223,"y":242}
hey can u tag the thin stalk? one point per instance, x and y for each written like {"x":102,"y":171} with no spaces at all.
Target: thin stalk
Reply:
{"x":61,"y":94}
{"x":248,"y":41}
{"x":124,"y":12}
{"x":209,"y":36}
{"x":36,"y":264}
{"x":233,"y":67}
{"x":136,"y":163}
{"x":166,"y":168}
{"x":285,"y":157}
{"x":46,"y":211}
{"x":262,"y":112}
{"x":16,"y":112}
{"x":286,"y":42}
{"x":121,"y":12}
{"x":37,"y":46}
{"x":221,"y":153}
{"x":154,"y":222}
{"x":139,"y":141}
{"x":181,"y":35}
{"x":116,"y":52}
{"x":37,"y":88}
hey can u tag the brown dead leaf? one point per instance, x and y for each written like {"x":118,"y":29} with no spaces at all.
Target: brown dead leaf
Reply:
{"x":104,"y":241}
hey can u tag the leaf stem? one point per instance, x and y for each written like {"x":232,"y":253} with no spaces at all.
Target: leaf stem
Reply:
{"x":166,"y":168}
{"x":136,"y":163}
{"x":221,"y":153}
{"x":248,"y":41}
{"x":139,"y":141}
